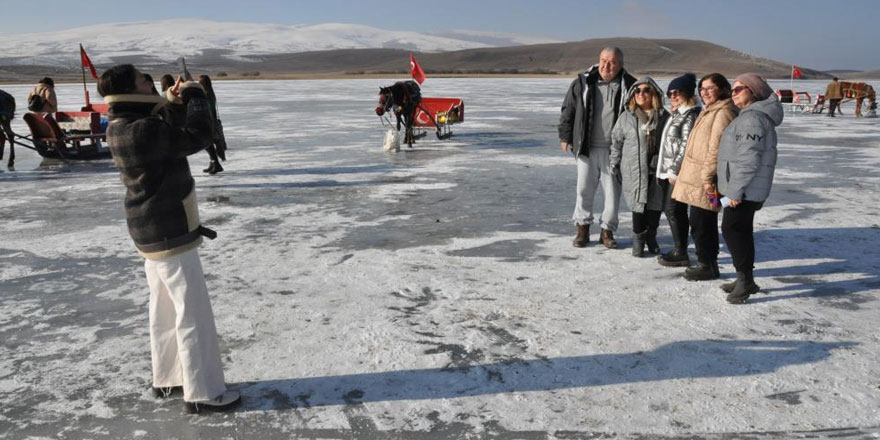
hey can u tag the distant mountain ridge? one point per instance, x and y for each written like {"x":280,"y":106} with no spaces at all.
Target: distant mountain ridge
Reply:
{"x":245,"y":49}
{"x":660,"y":57}
{"x":157,"y":41}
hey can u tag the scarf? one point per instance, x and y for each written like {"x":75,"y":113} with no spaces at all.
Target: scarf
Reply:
{"x":649,"y":120}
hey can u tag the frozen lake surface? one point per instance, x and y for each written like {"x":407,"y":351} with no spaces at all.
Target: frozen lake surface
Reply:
{"x":434,"y":293}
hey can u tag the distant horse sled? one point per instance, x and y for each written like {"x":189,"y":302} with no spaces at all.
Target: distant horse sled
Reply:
{"x":802,"y":102}
{"x":67,"y":134}
{"x":72,"y":135}
{"x":416,"y":114}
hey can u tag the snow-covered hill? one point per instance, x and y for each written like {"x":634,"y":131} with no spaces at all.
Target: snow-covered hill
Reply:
{"x":167,"y":39}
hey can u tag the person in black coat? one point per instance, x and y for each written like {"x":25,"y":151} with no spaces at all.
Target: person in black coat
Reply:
{"x":163,"y":221}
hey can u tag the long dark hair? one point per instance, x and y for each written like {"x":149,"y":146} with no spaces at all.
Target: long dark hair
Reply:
{"x":205,"y":81}
{"x":167,"y":81}
{"x":152,"y":82}
{"x":721,"y":82}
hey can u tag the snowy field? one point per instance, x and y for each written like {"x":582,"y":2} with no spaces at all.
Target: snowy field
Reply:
{"x":434,"y":293}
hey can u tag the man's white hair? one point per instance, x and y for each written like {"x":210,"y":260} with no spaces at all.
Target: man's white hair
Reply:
{"x":616,"y":51}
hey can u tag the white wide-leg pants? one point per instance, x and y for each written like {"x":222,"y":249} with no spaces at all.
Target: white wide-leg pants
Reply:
{"x":183,"y":338}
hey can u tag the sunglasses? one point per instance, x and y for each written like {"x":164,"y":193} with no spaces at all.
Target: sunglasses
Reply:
{"x":643,"y":91}
{"x":672,"y":93}
{"x":736,"y":90}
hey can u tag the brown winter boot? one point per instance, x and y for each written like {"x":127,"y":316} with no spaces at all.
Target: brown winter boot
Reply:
{"x":607,"y":238}
{"x":583,"y":236}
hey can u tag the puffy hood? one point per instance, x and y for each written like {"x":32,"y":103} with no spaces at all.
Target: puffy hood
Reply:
{"x":594,"y":70}
{"x":770,"y":107}
{"x":652,"y":83}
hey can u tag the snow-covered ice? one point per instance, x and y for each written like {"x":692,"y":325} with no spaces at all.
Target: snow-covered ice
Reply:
{"x":434,"y":293}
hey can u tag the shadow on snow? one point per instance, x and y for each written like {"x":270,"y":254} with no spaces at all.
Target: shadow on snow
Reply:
{"x":677,"y":360}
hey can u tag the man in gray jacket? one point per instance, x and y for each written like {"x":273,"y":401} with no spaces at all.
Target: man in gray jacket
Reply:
{"x":589,"y":112}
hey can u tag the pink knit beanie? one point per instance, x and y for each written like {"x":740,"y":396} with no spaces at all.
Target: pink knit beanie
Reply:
{"x":760,"y":89}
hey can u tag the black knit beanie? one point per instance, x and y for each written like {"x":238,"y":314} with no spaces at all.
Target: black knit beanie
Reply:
{"x":684,"y":83}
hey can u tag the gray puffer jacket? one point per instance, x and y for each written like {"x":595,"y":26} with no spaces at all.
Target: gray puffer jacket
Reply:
{"x":629,"y":154}
{"x":675,"y":138}
{"x":747,"y":153}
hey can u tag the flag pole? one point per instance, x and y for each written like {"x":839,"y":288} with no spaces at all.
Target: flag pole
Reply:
{"x":83,"y":68}
{"x":791,"y":80}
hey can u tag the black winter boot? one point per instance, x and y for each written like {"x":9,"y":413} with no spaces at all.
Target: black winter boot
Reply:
{"x":583,"y":236}
{"x":215,"y":167}
{"x":745,"y":287}
{"x":638,"y":249}
{"x":728,"y":287}
{"x":702,"y":272}
{"x":651,"y":241}
{"x":675,"y":258}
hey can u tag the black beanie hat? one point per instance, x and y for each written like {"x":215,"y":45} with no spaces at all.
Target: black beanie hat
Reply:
{"x":685,"y":83}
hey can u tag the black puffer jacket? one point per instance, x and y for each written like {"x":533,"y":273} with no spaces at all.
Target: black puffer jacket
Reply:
{"x":574,"y":123}
{"x":7,"y":106}
{"x":160,"y":201}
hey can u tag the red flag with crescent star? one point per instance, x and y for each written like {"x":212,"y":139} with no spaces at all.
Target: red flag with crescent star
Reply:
{"x":796,"y":72}
{"x":87,"y":63}
{"x":417,"y":73}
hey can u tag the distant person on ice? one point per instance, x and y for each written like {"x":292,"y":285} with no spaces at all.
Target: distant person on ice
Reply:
{"x":635,"y":148}
{"x":833,"y":93}
{"x":746,"y":164}
{"x":217,"y":149}
{"x":41,"y":98}
{"x":590,"y":109}
{"x":163,"y":221}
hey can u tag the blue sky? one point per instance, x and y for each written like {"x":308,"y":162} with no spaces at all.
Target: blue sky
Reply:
{"x":827,"y":34}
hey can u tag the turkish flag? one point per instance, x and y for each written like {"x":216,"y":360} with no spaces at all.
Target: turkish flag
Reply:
{"x":86,"y":62}
{"x":796,"y":73}
{"x":417,"y":73}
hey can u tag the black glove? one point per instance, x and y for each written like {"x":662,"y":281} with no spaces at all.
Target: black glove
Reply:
{"x":615,"y":173}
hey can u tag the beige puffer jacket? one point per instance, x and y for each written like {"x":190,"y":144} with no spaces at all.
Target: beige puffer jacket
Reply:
{"x":50,"y":101}
{"x":701,"y":154}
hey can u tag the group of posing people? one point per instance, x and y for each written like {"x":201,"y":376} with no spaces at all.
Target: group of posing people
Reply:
{"x":617,"y":127}
{"x":688,"y":162}
{"x":42,"y":99}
